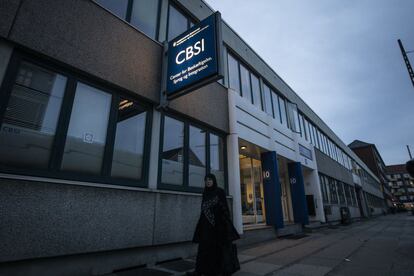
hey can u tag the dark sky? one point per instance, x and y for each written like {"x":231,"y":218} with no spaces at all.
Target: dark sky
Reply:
{"x":342,"y":58}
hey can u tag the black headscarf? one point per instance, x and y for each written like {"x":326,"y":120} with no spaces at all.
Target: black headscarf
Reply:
{"x":212,"y":188}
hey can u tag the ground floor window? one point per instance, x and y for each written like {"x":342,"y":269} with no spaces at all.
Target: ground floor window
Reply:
{"x":58,"y":124}
{"x":323,"y":180}
{"x":333,"y":191}
{"x":188,"y":151}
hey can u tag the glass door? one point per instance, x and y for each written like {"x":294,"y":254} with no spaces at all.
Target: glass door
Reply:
{"x":251,"y":191}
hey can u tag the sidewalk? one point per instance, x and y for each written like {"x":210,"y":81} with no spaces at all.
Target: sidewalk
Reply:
{"x":363,"y":248}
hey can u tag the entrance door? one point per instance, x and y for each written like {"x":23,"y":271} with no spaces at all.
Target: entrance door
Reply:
{"x":252,"y":196}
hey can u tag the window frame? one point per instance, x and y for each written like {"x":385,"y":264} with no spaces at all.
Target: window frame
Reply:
{"x":128,"y":15}
{"x":185,"y":187}
{"x":187,"y":15}
{"x":56,"y":156}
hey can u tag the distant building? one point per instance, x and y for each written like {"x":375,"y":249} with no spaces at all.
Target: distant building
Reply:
{"x":370,"y":155}
{"x":401,"y":184}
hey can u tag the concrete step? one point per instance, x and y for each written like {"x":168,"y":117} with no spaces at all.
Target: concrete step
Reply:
{"x":257,"y":234}
{"x":290,"y":229}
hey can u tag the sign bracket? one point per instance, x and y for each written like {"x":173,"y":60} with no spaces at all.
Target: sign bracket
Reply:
{"x":164,"y":102}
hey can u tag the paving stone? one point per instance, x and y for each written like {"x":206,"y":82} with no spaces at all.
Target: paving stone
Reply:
{"x":244,"y":258}
{"x":328,"y":262}
{"x":143,"y":272}
{"x":179,"y":265}
{"x":304,"y":269}
{"x":258,"y":268}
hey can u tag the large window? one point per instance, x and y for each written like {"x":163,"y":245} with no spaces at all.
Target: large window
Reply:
{"x":217,"y":159}
{"x":28,"y":128}
{"x":188,"y":153}
{"x":54,"y":125}
{"x":333,"y":190}
{"x":282,"y":106}
{"x":324,"y":188}
{"x":242,"y":80}
{"x":276,"y":107}
{"x":233,"y":68}
{"x":341,"y":193}
{"x":142,"y":14}
{"x":128,"y":155}
{"x":257,"y":99}
{"x":173,"y":152}
{"x":348,"y":194}
{"x":267,"y":100}
{"x":245,"y":83}
{"x":178,"y":22}
{"x":197,"y":157}
{"x":86,"y":138}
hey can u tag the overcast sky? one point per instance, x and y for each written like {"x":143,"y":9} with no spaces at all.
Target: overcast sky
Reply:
{"x":342,"y":58}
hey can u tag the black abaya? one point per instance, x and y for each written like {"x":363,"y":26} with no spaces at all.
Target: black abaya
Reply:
{"x":214,"y":230}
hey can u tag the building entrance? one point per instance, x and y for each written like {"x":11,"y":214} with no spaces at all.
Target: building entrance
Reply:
{"x":252,"y":196}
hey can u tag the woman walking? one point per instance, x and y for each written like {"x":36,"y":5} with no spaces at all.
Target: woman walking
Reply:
{"x":215,"y":233}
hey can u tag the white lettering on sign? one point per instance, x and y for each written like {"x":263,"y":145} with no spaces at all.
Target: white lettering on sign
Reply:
{"x":190,"y":52}
{"x":266,"y":174}
{"x":292,"y":180}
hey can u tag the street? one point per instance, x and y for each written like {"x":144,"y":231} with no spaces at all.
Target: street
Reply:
{"x":379,"y":246}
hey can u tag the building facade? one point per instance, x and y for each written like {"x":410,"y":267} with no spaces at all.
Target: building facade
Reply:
{"x":95,"y":176}
{"x":370,"y":155}
{"x":401,"y":185}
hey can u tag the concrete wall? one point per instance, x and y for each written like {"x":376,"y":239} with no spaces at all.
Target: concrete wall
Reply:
{"x":8,"y":10}
{"x":40,"y":219}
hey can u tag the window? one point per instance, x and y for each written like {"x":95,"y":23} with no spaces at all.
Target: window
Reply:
{"x":197,"y":157}
{"x":308,"y":131}
{"x":348,"y":194}
{"x":245,"y":83}
{"x":276,"y":108}
{"x":188,"y":153}
{"x":117,"y":7}
{"x":300,"y":119}
{"x":341,"y":194}
{"x":29,"y":125}
{"x":354,"y":201}
{"x":233,"y":67}
{"x":128,"y":154}
{"x":57,"y":126}
{"x":86,"y":138}
{"x":217,"y":159}
{"x":177,"y":22}
{"x":333,"y":191}
{"x":267,"y":100}
{"x":142,"y":14}
{"x":282,"y":106}
{"x":305,"y":131}
{"x":324,"y":188}
{"x":292,"y":115}
{"x":257,"y":99}
{"x":173,"y":152}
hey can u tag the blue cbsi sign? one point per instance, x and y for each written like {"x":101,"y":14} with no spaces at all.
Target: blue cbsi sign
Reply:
{"x":194,"y":57}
